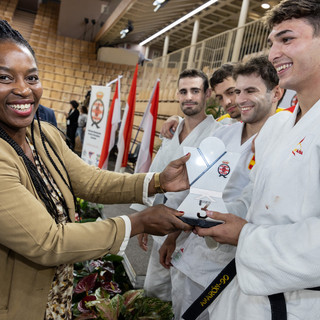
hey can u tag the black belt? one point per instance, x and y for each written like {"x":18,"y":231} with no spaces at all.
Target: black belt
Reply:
{"x":211,"y":292}
{"x":277,"y":301}
{"x":278,"y":306}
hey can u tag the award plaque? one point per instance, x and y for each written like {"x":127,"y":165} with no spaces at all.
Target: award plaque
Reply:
{"x":209,"y":170}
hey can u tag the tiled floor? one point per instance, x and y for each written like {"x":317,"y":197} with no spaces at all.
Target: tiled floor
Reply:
{"x":137,"y":261}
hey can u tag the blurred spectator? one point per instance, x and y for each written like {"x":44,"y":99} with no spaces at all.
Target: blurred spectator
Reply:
{"x":72,"y":123}
{"x":82,"y":122}
{"x":47,"y":114}
{"x":87,"y":99}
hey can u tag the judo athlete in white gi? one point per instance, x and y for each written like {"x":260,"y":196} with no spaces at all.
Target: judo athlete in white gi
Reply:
{"x":195,"y":264}
{"x":278,"y":245}
{"x":222,"y":84}
{"x":193,"y":92}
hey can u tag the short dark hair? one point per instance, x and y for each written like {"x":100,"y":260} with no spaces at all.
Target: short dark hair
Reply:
{"x":84,"y":109}
{"x":74,"y":103}
{"x":295,"y":9}
{"x":260,"y":66}
{"x":195,"y":73}
{"x":7,"y":33}
{"x":221,"y":74}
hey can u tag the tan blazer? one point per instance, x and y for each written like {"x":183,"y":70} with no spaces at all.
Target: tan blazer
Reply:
{"x":31,"y":244}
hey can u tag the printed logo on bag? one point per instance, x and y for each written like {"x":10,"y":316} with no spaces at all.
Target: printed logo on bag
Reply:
{"x":224,"y":169}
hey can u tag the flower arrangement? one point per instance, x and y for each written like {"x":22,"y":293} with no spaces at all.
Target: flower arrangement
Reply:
{"x":103,"y":291}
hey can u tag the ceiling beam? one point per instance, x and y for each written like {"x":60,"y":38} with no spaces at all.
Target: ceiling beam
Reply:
{"x":116,"y":15}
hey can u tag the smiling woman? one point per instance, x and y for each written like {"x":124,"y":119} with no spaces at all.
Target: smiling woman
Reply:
{"x":19,"y":74}
{"x":40,"y":177}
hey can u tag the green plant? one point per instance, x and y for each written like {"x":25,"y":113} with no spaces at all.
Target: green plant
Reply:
{"x":97,"y":295}
{"x":212,"y":107}
{"x":88,"y":211}
{"x":148,"y":308}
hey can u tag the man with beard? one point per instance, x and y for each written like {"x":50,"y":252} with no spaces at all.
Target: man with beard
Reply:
{"x":193,"y":92}
{"x":196,"y":263}
{"x":222,"y":84}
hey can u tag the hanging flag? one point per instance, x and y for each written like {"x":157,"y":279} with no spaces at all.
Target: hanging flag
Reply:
{"x":114,"y":118}
{"x":148,"y":124}
{"x":126,"y":126}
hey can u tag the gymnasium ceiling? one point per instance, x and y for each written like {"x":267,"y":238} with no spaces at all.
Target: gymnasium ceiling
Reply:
{"x":219,"y":17}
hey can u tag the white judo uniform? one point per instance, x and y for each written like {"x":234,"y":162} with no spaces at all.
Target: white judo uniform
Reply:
{"x":279,"y":249}
{"x":158,"y":281}
{"x":195,"y":264}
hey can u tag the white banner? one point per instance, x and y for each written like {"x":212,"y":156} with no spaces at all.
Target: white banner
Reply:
{"x":96,"y":124}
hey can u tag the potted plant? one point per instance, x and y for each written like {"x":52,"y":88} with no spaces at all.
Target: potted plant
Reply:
{"x":103,"y":291}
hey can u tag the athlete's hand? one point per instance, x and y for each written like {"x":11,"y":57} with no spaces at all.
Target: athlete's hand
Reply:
{"x":167,"y":249}
{"x":169,"y":127}
{"x":143,"y":241}
{"x":226,"y":233}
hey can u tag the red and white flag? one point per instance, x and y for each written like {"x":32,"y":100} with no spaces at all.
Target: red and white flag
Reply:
{"x":148,"y":124}
{"x":126,"y":126}
{"x":114,"y":118}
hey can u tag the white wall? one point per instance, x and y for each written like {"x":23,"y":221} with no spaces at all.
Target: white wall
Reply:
{"x":71,"y":17}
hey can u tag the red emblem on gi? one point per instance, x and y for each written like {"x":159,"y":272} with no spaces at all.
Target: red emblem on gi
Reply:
{"x":224,"y":169}
{"x":298,"y":149}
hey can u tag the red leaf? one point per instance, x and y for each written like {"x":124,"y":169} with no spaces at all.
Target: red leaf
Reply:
{"x":111,"y":287}
{"x":87,"y":283}
{"x":82,"y":306}
{"x":87,"y":316}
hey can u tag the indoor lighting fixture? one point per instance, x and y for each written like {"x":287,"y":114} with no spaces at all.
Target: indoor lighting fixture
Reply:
{"x":158,"y":4}
{"x":187,"y":16}
{"x":125,"y":31}
{"x":265,"y":6}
